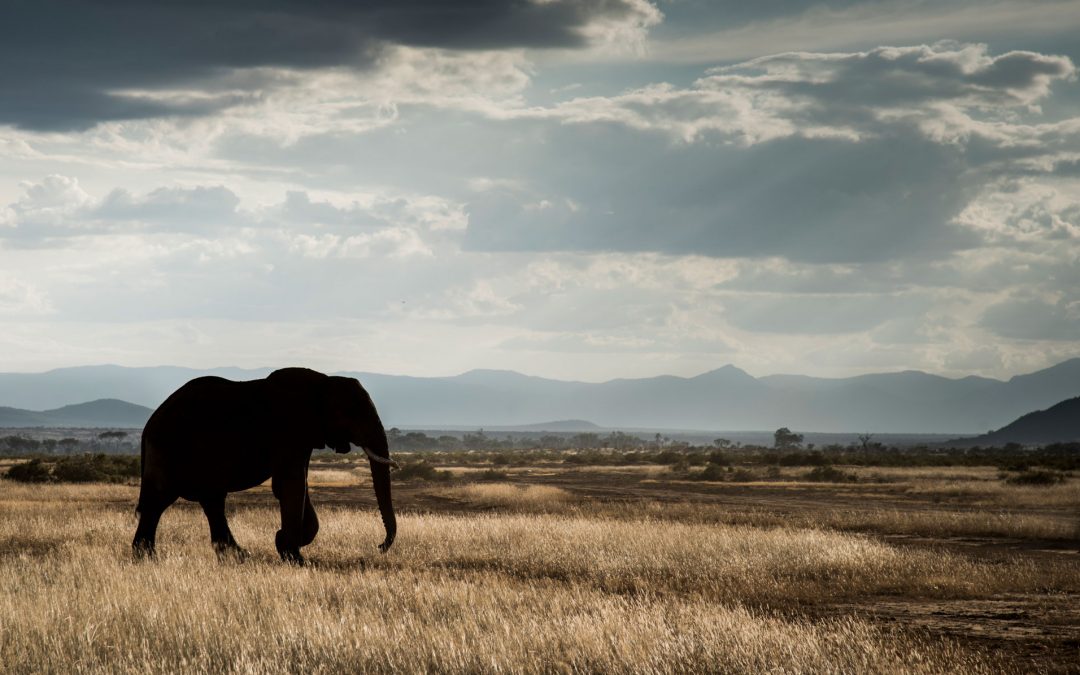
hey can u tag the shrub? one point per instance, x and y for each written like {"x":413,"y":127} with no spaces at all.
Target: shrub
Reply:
{"x":719,"y":458}
{"x":1036,"y":477}
{"x":829,"y":474}
{"x":96,"y":468}
{"x":77,"y":469}
{"x":491,"y":474}
{"x":744,"y":476}
{"x":34,"y":471}
{"x":711,"y":472}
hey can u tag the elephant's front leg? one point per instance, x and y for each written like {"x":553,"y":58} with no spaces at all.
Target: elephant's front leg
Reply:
{"x":290,"y":488}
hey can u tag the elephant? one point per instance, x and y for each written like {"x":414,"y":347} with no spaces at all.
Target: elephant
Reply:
{"x":213,"y":436}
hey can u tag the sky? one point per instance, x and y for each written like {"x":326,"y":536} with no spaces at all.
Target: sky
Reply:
{"x":576,"y":189}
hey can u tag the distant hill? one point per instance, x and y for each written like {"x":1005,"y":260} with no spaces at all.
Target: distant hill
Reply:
{"x":557,"y":425}
{"x":100,"y":413}
{"x":1057,"y":424}
{"x":725,"y":399}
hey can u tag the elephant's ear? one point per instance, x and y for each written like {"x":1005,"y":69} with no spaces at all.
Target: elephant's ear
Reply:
{"x":299,"y":403}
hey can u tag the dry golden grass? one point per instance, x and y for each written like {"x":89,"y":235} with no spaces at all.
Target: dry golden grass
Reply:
{"x":474,"y":593}
{"x":328,"y":476}
{"x":871,"y":518}
{"x":944,"y":523}
{"x":998,"y":493}
{"x":506,"y":494}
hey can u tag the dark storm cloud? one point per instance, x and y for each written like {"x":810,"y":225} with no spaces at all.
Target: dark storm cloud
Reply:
{"x":1029,"y":319}
{"x":64,"y":59}
{"x":812,"y":200}
{"x":899,"y":76}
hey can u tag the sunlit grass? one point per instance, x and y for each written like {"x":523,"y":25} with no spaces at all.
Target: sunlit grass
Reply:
{"x":505,"y":494}
{"x":535,"y":578}
{"x":521,"y":593}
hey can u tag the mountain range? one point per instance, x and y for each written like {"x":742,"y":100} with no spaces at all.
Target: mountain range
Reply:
{"x":723,"y":399}
{"x":1056,"y":424}
{"x":99,"y":413}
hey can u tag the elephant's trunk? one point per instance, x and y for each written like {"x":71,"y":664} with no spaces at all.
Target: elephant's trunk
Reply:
{"x":380,"y":478}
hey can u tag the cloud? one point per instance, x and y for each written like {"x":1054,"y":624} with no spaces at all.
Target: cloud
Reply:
{"x":57,"y":209}
{"x":846,"y":95}
{"x":1033,"y":319}
{"x":753,"y":29}
{"x":84,"y":63}
{"x":900,"y":76}
{"x":20,"y":299}
{"x":817,"y":314}
{"x":824,"y":158}
{"x":814,"y":200}
{"x":200,"y":205}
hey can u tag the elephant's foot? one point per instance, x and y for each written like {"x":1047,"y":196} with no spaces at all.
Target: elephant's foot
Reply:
{"x":143,"y":549}
{"x":230,"y":551}
{"x":290,"y":554}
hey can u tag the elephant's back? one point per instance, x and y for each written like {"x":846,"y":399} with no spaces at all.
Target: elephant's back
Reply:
{"x":207,"y":408}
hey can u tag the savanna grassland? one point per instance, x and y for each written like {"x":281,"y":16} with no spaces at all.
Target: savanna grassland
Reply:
{"x":550,"y":568}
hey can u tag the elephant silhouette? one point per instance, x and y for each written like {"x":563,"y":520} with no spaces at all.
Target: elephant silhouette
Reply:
{"x":214,"y":436}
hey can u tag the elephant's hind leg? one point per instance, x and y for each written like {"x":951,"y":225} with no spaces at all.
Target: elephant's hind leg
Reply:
{"x":220,"y":535}
{"x":311,"y":522}
{"x":151,"y":506}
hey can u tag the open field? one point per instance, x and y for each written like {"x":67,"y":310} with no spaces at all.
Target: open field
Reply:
{"x":547,"y":568}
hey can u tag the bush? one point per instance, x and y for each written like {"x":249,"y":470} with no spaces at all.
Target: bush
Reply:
{"x":78,"y":470}
{"x":829,"y":474}
{"x":34,"y":471}
{"x":491,"y":474}
{"x":96,"y":468}
{"x":711,"y":472}
{"x":1036,"y":477}
{"x":744,"y":476}
{"x":99,"y":468}
{"x":719,"y":458}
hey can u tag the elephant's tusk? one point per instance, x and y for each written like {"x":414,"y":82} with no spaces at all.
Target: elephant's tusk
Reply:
{"x":381,"y":460}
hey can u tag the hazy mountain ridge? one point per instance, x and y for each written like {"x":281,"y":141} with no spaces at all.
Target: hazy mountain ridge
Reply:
{"x":100,"y":413}
{"x":1057,"y":424}
{"x":725,"y":398}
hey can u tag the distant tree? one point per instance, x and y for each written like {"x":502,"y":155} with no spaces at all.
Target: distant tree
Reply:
{"x":69,"y":445}
{"x":622,"y":441}
{"x":477,"y":441}
{"x":551,"y":441}
{"x":786,"y":439}
{"x":117,"y":435}
{"x":586,"y":439}
{"x":721,"y":443}
{"x":864,"y":440}
{"x":448,"y":442}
